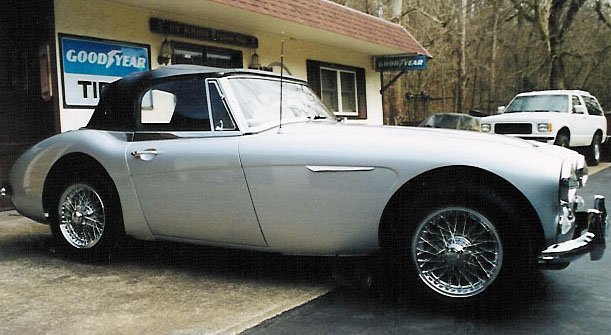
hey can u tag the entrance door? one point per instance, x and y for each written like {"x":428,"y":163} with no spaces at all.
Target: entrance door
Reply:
{"x":26,"y":101}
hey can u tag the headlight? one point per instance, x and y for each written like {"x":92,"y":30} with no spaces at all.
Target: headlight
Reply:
{"x":485,"y":127}
{"x":544,"y":127}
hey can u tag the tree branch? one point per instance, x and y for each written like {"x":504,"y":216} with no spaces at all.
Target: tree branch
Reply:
{"x":601,"y":16}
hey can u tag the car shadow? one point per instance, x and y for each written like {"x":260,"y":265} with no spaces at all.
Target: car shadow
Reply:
{"x":358,"y":290}
{"x":222,"y":262}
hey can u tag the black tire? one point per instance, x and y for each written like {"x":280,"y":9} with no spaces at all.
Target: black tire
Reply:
{"x":86,"y":217}
{"x":562,"y":140}
{"x":594,"y":153}
{"x":452,"y":263}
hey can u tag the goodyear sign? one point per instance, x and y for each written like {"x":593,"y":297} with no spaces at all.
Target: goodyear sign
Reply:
{"x":89,"y":64}
{"x":399,"y":63}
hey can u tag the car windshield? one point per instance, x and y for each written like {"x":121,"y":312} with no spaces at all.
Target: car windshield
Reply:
{"x":444,"y":121}
{"x":539,"y":103}
{"x":259,"y":99}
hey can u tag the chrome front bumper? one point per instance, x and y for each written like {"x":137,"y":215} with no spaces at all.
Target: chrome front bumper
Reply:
{"x":589,"y":237}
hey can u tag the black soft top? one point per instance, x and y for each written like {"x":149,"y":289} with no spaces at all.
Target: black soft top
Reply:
{"x":117,"y":107}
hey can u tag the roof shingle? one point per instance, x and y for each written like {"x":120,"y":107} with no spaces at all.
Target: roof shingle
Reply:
{"x":332,"y":17}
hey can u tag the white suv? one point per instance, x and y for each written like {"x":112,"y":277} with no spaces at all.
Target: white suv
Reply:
{"x":568,"y":118}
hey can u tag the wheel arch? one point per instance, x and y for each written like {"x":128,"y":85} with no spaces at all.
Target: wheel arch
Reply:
{"x":564,"y":130}
{"x":72,"y":164}
{"x":598,"y":132}
{"x":426,"y":184}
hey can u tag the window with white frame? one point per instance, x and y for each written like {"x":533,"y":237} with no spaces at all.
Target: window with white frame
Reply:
{"x":340,"y":87}
{"x":338,"y":91}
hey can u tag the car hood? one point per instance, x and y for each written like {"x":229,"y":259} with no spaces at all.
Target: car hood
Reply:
{"x":445,"y":142}
{"x":406,"y":135}
{"x":517,"y":117}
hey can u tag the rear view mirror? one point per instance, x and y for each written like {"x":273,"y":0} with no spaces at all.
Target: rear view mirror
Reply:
{"x":500,"y":109}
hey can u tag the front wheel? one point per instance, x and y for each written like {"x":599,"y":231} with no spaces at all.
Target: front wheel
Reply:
{"x":463,"y":246}
{"x":457,"y":252}
{"x":86,"y":220}
{"x":562,"y":140}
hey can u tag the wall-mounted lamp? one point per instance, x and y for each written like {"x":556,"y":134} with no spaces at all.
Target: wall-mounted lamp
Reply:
{"x":255,"y":63}
{"x":165,"y":53}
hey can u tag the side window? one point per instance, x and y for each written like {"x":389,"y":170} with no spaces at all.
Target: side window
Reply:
{"x":592,"y":106}
{"x":338,"y":91}
{"x":221,"y":118}
{"x":342,"y":88}
{"x":576,"y":102}
{"x":178,"y":105}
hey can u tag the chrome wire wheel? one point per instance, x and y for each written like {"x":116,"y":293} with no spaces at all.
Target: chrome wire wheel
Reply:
{"x":82,"y":217}
{"x":457,"y":252}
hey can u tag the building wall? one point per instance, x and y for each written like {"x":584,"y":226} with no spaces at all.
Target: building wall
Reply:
{"x":108,"y":20}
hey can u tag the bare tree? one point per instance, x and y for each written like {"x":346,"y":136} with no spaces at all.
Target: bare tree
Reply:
{"x":493,"y":56}
{"x":396,"y":10}
{"x":486,"y":51}
{"x":553,"y":19}
{"x":461,"y":81}
{"x":600,"y":9}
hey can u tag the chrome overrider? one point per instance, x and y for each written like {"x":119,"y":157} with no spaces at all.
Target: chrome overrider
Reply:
{"x":589,"y":236}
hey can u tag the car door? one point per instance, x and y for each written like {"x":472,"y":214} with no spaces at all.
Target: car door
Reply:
{"x":186,"y":169}
{"x":581,"y":129}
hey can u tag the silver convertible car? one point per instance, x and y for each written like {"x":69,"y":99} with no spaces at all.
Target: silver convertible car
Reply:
{"x":252,"y":160}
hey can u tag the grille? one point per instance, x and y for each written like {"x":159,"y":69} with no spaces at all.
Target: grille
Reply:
{"x":513,"y":128}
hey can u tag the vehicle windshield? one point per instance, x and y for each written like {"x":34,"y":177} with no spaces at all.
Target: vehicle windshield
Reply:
{"x":443,"y":121}
{"x":259,"y":99}
{"x":539,"y":103}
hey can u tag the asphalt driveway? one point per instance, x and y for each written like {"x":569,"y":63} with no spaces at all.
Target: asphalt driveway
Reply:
{"x":573,"y":301}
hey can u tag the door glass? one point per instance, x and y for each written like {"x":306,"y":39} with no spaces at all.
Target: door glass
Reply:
{"x":179,"y":105}
{"x":221,"y":118}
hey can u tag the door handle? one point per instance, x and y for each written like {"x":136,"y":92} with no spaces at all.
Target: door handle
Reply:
{"x":145,"y":155}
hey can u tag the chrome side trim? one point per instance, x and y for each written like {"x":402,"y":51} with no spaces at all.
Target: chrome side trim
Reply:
{"x":325,"y":168}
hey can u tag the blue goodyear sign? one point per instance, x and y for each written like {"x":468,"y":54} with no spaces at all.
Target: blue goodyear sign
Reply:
{"x":400,"y":63}
{"x":89,"y":64}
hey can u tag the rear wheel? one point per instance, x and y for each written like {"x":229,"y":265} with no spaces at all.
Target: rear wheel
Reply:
{"x":594,"y":150}
{"x":86,"y":217}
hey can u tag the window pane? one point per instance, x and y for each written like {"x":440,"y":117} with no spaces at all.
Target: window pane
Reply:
{"x":158,"y":106}
{"x":593,"y":106}
{"x":177,"y":105}
{"x":328,"y":84}
{"x":348,"y":80}
{"x":186,"y":53}
{"x":220,"y":114}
